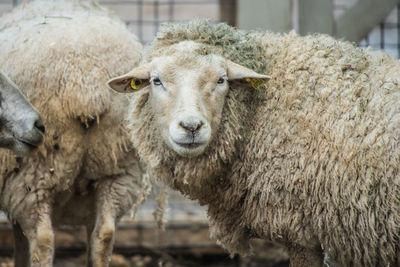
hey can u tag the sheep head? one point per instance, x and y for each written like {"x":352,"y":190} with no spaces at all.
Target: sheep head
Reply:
{"x":187,"y":91}
{"x":21,"y":128}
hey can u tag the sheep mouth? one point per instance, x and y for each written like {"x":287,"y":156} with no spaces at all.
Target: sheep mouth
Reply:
{"x":29,"y":144}
{"x":192,"y":145}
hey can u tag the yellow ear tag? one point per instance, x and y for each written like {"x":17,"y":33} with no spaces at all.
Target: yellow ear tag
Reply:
{"x":255,"y":82}
{"x":135,"y":83}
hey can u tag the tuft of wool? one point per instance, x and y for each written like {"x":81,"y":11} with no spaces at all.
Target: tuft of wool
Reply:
{"x":311,"y":159}
{"x":232,"y":44}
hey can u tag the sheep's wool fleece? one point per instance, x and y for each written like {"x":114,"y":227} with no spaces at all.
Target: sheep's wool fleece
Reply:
{"x":312,"y":158}
{"x":61,"y":54}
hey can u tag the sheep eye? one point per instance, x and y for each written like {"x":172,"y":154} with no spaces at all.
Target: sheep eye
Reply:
{"x":221,"y":80}
{"x":157,"y":81}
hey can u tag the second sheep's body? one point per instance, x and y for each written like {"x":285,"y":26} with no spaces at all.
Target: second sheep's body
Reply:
{"x":310,"y":160}
{"x":61,"y":53}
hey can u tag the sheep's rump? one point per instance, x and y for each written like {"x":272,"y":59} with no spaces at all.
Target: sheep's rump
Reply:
{"x":324,"y":158}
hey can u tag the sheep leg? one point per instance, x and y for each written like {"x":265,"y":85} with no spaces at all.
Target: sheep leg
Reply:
{"x":305,"y":257}
{"x":102,"y":234}
{"x":114,"y":197}
{"x":21,"y":247}
{"x":40,"y":237}
{"x":101,"y":241}
{"x":89,"y":231}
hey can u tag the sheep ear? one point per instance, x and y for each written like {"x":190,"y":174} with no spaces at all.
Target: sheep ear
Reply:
{"x":238,"y":72}
{"x":134,"y":80}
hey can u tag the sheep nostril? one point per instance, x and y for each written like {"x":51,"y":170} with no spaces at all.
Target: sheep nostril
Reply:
{"x":198,"y":126}
{"x":191,"y":127}
{"x":39,"y":125}
{"x":183,"y":125}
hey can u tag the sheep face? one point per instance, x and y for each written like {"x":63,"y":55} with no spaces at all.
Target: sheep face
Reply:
{"x":187,"y":94}
{"x":21,"y":128}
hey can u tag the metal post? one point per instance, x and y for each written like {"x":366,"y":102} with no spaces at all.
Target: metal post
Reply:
{"x":360,"y":19}
{"x":316,"y":16}
{"x":227,"y":10}
{"x":274,"y":15}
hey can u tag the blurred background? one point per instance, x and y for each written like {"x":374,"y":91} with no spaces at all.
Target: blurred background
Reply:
{"x":186,"y":242}
{"x":372,"y":23}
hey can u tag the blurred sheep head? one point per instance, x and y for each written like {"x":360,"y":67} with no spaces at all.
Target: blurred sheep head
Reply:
{"x":21,"y":128}
{"x":187,"y":94}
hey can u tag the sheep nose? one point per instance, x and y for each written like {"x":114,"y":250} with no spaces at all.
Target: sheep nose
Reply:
{"x":39,"y":126}
{"x":191,"y":127}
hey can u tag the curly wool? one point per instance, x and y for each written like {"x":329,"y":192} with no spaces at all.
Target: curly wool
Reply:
{"x":310,"y":159}
{"x":61,"y":53}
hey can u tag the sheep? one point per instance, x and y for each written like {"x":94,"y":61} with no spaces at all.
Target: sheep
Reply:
{"x":21,"y":128}
{"x":309,"y":160}
{"x":61,"y":53}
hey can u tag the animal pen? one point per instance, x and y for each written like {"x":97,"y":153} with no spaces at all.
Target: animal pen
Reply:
{"x":185,"y":241}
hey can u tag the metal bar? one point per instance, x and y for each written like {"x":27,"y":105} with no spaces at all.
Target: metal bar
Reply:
{"x":398,"y":30}
{"x":140,"y":19}
{"x":392,"y":25}
{"x":382,"y":35}
{"x":316,"y":16}
{"x":176,"y":2}
{"x":227,"y":11}
{"x":271,"y":15}
{"x":354,"y":25}
{"x":156,"y":16}
{"x":171,"y":10}
{"x":151,"y":22}
{"x":386,"y":46}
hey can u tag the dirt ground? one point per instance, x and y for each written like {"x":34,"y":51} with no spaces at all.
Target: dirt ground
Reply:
{"x":162,"y":261}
